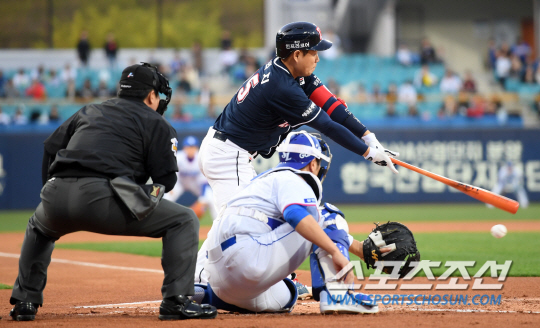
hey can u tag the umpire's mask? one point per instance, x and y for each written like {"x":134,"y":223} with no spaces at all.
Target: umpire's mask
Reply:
{"x":300,"y":148}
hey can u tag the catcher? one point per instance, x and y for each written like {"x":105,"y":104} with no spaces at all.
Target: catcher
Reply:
{"x":273,"y":225}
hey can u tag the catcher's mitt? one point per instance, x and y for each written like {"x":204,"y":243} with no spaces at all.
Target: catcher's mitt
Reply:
{"x":396,"y":236}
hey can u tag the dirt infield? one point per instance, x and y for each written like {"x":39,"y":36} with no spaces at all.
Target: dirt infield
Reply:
{"x":88,"y":289}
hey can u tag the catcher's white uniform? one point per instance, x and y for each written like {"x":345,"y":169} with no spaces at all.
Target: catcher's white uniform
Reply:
{"x":251,"y":249}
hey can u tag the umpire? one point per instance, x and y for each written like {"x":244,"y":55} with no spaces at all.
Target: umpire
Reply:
{"x":123,"y":140}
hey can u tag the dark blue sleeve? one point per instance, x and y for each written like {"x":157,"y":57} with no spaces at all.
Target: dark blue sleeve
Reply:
{"x":292,"y":104}
{"x":338,"y":133}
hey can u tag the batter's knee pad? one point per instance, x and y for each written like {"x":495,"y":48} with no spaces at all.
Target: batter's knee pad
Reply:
{"x":321,"y":264}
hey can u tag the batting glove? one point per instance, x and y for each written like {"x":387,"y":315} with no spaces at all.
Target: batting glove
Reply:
{"x":377,"y":154}
{"x":372,"y":142}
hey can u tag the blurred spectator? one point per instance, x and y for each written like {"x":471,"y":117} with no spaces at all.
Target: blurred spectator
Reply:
{"x":111,"y":49}
{"x":19,"y":118}
{"x":103,"y":90}
{"x":335,"y":50}
{"x":362,"y":96}
{"x":197,"y":57}
{"x":492,"y":107}
{"x":178,"y":114}
{"x":516,"y":68}
{"x":10,"y":91}
{"x":228,"y":56}
{"x":449,"y":107}
{"x":53,"y":80}
{"x":206,"y":98}
{"x":476,"y":107}
{"x":35,"y":116}
{"x":492,"y":53}
{"x":183,"y":85}
{"x":83,"y":48}
{"x":226,"y":40}
{"x":412,"y":111}
{"x":54,"y":115}
{"x":39,"y":73}
{"x":190,"y":74}
{"x":391,"y":110}
{"x":392,"y":94}
{"x":2,"y":83}
{"x":104,"y":75}
{"x":522,"y":50}
{"x":177,"y":63}
{"x":506,"y":50}
{"x":21,"y":79}
{"x":424,"y":78}
{"x":376,"y":93}
{"x":333,"y":86}
{"x":404,"y":55}
{"x":407,"y":93}
{"x":450,"y":83}
{"x":502,"y":67}
{"x":427,"y":52}
{"x":529,"y":76}
{"x":469,"y":84}
{"x":4,"y":118}
{"x":85,"y":93}
{"x":71,"y":90}
{"x":37,"y":90}
{"x":68,"y":73}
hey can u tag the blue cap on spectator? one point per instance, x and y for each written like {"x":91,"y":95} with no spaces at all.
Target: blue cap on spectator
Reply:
{"x":190,"y":141}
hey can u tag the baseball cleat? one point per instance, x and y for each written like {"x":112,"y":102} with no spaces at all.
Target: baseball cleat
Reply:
{"x":349,"y":302}
{"x":304,"y":292}
{"x":181,"y":307}
{"x":24,"y":311}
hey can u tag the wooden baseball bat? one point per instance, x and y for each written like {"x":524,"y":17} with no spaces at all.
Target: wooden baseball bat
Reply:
{"x":482,"y":195}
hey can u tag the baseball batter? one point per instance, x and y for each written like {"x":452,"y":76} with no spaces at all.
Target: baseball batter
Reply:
{"x":190,"y":178}
{"x":268,"y":229}
{"x":281,"y":96}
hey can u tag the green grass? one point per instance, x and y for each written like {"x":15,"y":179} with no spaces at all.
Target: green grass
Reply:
{"x":4,"y":286}
{"x":434,"y":212}
{"x":13,"y":221}
{"x":521,"y":248}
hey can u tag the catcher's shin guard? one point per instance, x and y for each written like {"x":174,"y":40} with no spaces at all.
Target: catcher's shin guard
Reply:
{"x":321,"y":264}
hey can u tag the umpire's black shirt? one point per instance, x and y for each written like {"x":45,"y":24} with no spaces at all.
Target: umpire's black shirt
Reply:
{"x":119,"y":137}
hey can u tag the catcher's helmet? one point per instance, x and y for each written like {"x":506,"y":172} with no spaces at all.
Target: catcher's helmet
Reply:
{"x":300,"y":148}
{"x":299,"y":36}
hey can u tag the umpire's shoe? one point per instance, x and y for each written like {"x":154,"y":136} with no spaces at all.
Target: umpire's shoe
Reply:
{"x":181,"y":307}
{"x":24,"y":311}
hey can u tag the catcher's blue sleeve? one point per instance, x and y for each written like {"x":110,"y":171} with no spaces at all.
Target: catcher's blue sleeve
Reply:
{"x":294,"y":214}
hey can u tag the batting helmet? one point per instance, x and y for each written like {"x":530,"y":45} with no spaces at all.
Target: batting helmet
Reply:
{"x":300,"y":148}
{"x":299,"y":36}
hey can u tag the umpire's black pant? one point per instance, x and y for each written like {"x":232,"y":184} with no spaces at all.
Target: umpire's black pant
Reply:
{"x":88,"y":204}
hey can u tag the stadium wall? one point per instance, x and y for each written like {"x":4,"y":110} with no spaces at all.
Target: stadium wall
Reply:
{"x":470,"y":156}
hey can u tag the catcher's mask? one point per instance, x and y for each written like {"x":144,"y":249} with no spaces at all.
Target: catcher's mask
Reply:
{"x":137,"y":76}
{"x":300,"y":148}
